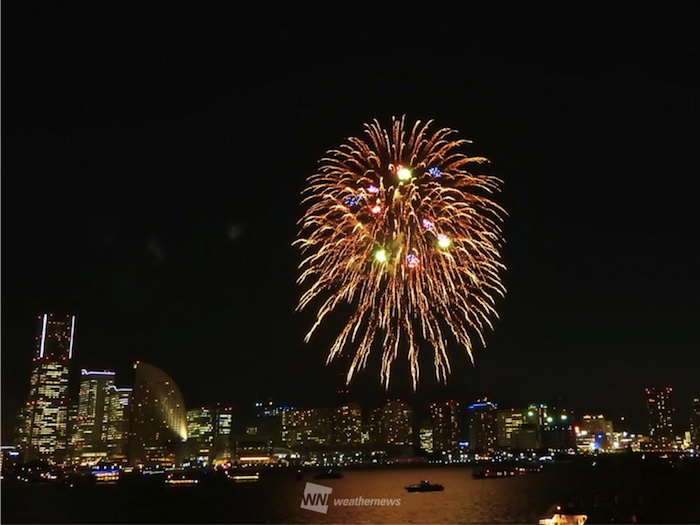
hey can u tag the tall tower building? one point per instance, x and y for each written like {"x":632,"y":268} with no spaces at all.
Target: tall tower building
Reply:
{"x":508,"y":423}
{"x":346,"y":425}
{"x":481,"y":420}
{"x":158,"y":427}
{"x":392,"y":424}
{"x":200,"y":435}
{"x":223,"y":425}
{"x":447,"y":428}
{"x":660,"y":411}
{"x":89,"y":440}
{"x":306,"y":427}
{"x":695,"y":422}
{"x":44,"y":432}
{"x":118,"y":417}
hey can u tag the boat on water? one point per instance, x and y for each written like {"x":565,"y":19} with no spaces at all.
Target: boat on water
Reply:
{"x":561,"y":516}
{"x":424,"y":486}
{"x":329,"y":474}
{"x":529,"y":469}
{"x":494,"y":472}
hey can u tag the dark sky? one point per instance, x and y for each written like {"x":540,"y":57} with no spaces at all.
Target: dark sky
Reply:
{"x":152,"y":162}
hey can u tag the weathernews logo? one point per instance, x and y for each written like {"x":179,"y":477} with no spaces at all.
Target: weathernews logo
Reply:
{"x":317,"y":498}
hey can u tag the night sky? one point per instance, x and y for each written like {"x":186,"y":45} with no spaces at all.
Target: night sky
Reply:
{"x":152,"y":162}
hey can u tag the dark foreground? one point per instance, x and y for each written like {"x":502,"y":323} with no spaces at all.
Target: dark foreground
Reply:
{"x":608,"y":490}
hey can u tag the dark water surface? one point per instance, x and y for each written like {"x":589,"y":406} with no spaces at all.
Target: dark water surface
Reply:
{"x":608,"y":493}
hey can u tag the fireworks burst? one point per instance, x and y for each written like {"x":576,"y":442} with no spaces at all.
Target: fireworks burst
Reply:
{"x":396,"y":226}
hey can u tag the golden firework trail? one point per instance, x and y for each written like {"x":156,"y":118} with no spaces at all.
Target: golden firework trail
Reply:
{"x":396,"y":226}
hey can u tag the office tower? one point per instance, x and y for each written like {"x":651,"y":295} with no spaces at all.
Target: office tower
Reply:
{"x":223,"y":426}
{"x":695,"y":422}
{"x":594,"y":432}
{"x":306,"y":428}
{"x":158,"y":427}
{"x":447,"y":429}
{"x":392,"y":424}
{"x":346,"y":425}
{"x":89,"y":439}
{"x":44,"y":433}
{"x":660,"y":412}
{"x":481,"y":422}
{"x":118,"y":417}
{"x":209,"y":434}
{"x":425,"y":437}
{"x":200,"y":435}
{"x":508,"y":422}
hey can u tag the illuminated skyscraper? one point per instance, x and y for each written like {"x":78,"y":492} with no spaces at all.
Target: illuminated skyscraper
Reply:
{"x":89,"y":440}
{"x":481,"y":421}
{"x":200,"y":435}
{"x":158,"y":418}
{"x":223,"y":426}
{"x":660,"y":410}
{"x":118,"y":417}
{"x":306,"y":428}
{"x":425,"y":436}
{"x":392,"y":424}
{"x":508,"y":422}
{"x":594,"y":432}
{"x":447,"y":428}
{"x":44,"y":432}
{"x":695,"y":422}
{"x":346,"y":421}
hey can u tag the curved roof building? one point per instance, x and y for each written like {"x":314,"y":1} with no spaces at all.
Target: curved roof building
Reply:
{"x":158,"y":418}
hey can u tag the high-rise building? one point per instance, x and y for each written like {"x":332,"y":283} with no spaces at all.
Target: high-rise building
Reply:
{"x":44,"y":432}
{"x":695,"y":422}
{"x":209,"y":434}
{"x":200,"y":435}
{"x":508,"y":422}
{"x":660,"y":412}
{"x":425,"y":436}
{"x":346,"y":425}
{"x":223,"y":426}
{"x":392,"y":424}
{"x":158,"y":427}
{"x":306,"y":428}
{"x":89,"y":438}
{"x":447,"y":428}
{"x":481,"y":421}
{"x":118,"y":418}
{"x":594,"y":432}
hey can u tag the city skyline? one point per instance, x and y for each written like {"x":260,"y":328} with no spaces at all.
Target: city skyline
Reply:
{"x":152,"y":187}
{"x":654,"y":398}
{"x":106,"y":421}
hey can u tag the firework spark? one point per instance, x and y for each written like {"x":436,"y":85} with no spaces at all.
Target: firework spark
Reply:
{"x":396,"y":226}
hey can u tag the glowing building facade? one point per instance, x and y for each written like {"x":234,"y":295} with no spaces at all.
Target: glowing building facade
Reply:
{"x":158,"y":427}
{"x":392,"y":424}
{"x":660,"y":409}
{"x":118,"y":417}
{"x":306,"y":428}
{"x":481,"y":422}
{"x":447,"y":429}
{"x":89,"y":437}
{"x":695,"y":422}
{"x":346,"y":421}
{"x":508,"y":423}
{"x":44,"y":429}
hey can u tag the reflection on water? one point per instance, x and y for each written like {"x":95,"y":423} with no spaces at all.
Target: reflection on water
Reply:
{"x":613,"y":493}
